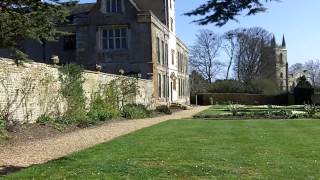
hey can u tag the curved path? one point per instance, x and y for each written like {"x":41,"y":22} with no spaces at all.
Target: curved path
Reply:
{"x":39,"y":152}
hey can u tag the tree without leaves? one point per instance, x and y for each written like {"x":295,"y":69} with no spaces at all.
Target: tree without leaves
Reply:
{"x":313,"y":70}
{"x":251,"y":53}
{"x":296,"y":68}
{"x":197,"y":83}
{"x":230,"y":47}
{"x":204,"y":53}
{"x":220,"y":12}
{"x":30,"y":19}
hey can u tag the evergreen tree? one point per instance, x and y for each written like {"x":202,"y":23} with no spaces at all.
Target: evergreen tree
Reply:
{"x":30,"y":19}
{"x":220,"y":12}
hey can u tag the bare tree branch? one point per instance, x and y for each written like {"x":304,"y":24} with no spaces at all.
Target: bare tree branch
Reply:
{"x":204,"y":53}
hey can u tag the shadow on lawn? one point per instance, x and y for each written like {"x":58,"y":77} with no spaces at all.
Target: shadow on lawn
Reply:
{"x":5,"y":170}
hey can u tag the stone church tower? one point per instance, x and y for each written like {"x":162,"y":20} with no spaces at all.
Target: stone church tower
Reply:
{"x":275,"y":65}
{"x":281,"y":66}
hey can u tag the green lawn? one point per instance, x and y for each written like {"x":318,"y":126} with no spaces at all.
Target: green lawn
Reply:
{"x":197,"y":149}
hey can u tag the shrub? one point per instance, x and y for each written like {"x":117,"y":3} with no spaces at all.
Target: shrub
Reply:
{"x":2,"y":128}
{"x":64,"y":120}
{"x":100,"y":110}
{"x":105,"y":107}
{"x":303,"y":92}
{"x":3,"y":133}
{"x":311,"y":110}
{"x":235,"y":109}
{"x":258,"y":86}
{"x":134,"y":111}
{"x":44,"y":119}
{"x":99,"y":115}
{"x":83,"y":123}
{"x":264,"y":86}
{"x":2,"y":124}
{"x":227,"y":86}
{"x":164,"y":109}
{"x":72,"y":90}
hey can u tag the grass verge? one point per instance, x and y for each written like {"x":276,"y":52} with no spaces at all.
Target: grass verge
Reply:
{"x":197,"y":150}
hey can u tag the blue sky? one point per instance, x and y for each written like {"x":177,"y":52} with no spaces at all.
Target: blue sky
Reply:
{"x":297,"y":19}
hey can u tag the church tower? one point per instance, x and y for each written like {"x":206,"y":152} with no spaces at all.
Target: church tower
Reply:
{"x":275,"y":64}
{"x":281,"y":66}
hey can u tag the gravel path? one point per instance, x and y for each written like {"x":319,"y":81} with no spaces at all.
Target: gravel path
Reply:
{"x":39,"y":152}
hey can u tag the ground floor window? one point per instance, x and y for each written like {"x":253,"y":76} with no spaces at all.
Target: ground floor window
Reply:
{"x":163,"y":86}
{"x":182,"y":83}
{"x":159,"y":86}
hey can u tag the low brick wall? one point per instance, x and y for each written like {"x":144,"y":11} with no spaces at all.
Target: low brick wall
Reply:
{"x":33,"y":89}
{"x":241,"y":98}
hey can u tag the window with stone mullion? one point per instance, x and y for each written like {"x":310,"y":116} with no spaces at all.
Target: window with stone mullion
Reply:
{"x":115,"y":38}
{"x":114,"y":6}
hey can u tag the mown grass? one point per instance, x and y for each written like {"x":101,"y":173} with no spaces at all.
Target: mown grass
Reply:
{"x":197,"y":149}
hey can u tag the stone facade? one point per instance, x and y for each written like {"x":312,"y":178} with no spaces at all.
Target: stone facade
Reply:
{"x":275,"y":65}
{"x":134,"y":36}
{"x":33,"y":89}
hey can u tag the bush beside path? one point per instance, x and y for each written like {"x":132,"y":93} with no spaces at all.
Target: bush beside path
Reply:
{"x":38,"y":152}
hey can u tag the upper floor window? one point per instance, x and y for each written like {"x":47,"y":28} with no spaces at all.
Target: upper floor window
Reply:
{"x":163,"y":53}
{"x":171,"y":24}
{"x":166,"y":54}
{"x":114,"y":6}
{"x":116,"y":38}
{"x":158,"y":50}
{"x":172,"y":56}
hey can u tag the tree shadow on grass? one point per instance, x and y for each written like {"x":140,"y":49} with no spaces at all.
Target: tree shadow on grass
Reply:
{"x":5,"y":170}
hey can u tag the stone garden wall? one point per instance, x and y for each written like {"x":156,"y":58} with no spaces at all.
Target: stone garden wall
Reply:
{"x":30,"y":90}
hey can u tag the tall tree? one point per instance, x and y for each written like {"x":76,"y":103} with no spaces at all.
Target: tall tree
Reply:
{"x":230,"y":48}
{"x":251,"y":53}
{"x":313,"y":70}
{"x":296,"y":68}
{"x":30,"y":19}
{"x":204,"y":54}
{"x":220,"y":12}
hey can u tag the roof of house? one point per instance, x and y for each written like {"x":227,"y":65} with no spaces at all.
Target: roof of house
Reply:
{"x":82,"y":8}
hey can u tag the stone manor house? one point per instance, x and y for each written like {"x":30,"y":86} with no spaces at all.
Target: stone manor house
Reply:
{"x":135,"y":37}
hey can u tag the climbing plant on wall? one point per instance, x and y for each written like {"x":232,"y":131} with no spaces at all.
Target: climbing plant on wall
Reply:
{"x":72,"y":90}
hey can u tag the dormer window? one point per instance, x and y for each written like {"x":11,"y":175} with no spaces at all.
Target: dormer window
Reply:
{"x":114,"y":6}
